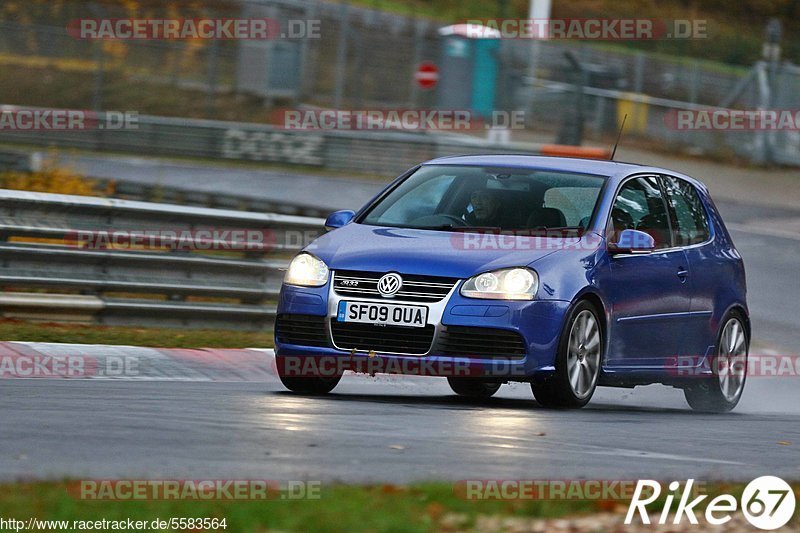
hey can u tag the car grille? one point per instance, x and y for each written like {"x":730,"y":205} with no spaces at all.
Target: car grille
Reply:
{"x":305,"y":330}
{"x":392,"y":339}
{"x":414,"y":289}
{"x":460,"y":341}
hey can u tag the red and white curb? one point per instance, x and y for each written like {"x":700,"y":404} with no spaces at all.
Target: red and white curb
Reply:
{"x":90,"y":361}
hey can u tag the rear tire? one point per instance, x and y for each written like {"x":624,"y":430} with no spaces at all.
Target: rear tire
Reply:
{"x":580,"y":354}
{"x":722,"y":392}
{"x":473,"y":387}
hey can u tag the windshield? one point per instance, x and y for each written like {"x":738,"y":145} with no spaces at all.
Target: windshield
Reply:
{"x":463,"y":197}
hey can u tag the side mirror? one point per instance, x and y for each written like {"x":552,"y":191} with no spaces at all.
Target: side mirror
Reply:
{"x":337,"y":219}
{"x":632,"y":241}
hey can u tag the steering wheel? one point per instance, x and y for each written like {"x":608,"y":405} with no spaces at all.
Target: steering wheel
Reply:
{"x":439,"y":219}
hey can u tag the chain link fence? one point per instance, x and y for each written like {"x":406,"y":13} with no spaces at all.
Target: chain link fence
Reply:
{"x":360,"y":57}
{"x":365,"y":58}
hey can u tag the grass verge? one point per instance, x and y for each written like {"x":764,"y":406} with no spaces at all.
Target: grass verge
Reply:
{"x":380,"y":508}
{"x":19,"y":330}
{"x":423,"y":507}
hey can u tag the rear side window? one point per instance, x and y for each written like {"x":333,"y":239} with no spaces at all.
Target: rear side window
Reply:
{"x":689,"y":220}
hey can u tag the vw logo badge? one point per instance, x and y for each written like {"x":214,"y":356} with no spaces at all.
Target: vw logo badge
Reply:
{"x":389,"y":284}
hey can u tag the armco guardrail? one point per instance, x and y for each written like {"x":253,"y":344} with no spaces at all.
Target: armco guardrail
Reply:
{"x":129,"y":190}
{"x":374,"y":152}
{"x":114,"y":261}
{"x":239,"y":202}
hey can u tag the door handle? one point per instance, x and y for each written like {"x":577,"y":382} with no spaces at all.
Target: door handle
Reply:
{"x":683,"y":273}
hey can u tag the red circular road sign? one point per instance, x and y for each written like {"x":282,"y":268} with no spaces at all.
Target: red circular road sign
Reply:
{"x":427,"y":75}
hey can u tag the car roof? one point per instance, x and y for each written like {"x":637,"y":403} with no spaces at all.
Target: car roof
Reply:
{"x":567,"y":164}
{"x":598,"y":167}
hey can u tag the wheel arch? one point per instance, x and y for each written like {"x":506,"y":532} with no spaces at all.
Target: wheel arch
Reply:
{"x":741,"y":310}
{"x":597,"y":302}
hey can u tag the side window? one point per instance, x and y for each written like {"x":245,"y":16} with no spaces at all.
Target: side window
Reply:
{"x":688,"y":214}
{"x":640,"y":205}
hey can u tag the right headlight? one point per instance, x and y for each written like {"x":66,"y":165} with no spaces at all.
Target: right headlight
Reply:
{"x":307,"y":271}
{"x":505,"y":284}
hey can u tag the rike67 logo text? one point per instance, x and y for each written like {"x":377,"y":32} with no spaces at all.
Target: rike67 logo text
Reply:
{"x":767,"y":502}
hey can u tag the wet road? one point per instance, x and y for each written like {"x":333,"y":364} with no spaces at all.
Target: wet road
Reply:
{"x":174,"y":420}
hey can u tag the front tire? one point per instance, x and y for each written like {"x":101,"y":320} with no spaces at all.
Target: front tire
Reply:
{"x":580,"y":354}
{"x":722,"y":392}
{"x":473,"y":388}
{"x":305,"y":384}
{"x":313,"y":386}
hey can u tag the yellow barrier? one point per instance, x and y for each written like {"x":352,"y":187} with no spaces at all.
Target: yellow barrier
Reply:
{"x":636,"y":106}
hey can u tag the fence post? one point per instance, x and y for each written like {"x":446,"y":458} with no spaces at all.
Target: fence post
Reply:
{"x":419,"y":35}
{"x":341,"y":55}
{"x":307,"y":66}
{"x":694,"y":81}
{"x":97,"y":98}
{"x":762,"y":142}
{"x":638,"y":73}
{"x":213,"y":56}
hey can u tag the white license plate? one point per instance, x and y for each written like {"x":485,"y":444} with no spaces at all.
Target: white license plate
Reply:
{"x":415,"y":316}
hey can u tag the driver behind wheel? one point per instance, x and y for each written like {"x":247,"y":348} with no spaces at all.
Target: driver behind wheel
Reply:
{"x":485,"y":209}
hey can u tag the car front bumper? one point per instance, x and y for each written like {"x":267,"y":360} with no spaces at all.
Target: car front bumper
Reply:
{"x":538,"y":323}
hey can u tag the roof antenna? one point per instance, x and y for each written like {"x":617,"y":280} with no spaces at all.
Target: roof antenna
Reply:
{"x":614,"y":151}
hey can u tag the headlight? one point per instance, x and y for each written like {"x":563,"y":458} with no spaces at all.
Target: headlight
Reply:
{"x":505,"y":284}
{"x":307,"y":271}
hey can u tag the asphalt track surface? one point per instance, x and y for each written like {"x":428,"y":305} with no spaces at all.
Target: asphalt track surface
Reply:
{"x":376,"y":430}
{"x":225,"y":418}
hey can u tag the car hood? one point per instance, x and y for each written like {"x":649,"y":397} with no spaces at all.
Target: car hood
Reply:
{"x":425,"y":252}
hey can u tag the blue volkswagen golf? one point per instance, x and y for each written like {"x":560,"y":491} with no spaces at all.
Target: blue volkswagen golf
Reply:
{"x":567,"y":274}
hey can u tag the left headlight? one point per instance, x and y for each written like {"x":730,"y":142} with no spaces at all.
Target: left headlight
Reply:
{"x":307,"y":271}
{"x":506,"y":284}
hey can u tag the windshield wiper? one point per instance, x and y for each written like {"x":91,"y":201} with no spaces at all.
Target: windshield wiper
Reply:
{"x":497,"y":229}
{"x":546,"y":230}
{"x":453,"y":227}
